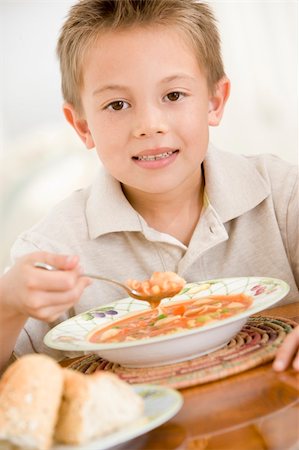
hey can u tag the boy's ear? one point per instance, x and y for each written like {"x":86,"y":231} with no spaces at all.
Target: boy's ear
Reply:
{"x":79,"y":124}
{"x":217,"y":101}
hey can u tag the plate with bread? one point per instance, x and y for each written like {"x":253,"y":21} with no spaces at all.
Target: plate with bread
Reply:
{"x":46,"y":407}
{"x":202,"y":318}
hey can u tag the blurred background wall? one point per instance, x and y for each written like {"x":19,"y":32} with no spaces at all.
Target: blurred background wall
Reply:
{"x":42,"y":160}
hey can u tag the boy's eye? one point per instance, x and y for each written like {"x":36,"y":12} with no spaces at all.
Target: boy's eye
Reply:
{"x":118,"y":105}
{"x":174,"y":96}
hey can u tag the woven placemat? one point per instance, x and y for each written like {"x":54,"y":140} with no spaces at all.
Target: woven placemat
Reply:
{"x":254,"y":345}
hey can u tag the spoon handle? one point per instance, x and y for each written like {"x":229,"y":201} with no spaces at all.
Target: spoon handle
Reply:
{"x":97,"y":277}
{"x":41,"y":265}
{"x":131,"y":292}
{"x":51,"y":268}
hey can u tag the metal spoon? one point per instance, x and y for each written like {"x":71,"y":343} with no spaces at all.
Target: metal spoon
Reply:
{"x":154,"y":300}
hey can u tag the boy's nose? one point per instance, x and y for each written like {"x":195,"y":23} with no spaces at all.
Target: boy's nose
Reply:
{"x":149,"y":123}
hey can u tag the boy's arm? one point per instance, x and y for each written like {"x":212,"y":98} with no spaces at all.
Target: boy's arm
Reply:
{"x":10,"y":327}
{"x":27,"y":291}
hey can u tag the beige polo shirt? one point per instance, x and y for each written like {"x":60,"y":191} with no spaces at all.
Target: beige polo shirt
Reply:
{"x":249,"y":227}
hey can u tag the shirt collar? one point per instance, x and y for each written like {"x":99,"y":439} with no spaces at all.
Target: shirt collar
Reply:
{"x":233,"y":186}
{"x":107,"y":209}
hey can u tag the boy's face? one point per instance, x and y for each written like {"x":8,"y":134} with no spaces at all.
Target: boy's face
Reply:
{"x":147,"y":108}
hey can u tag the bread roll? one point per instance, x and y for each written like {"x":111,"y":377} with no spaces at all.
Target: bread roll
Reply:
{"x":30,"y":394}
{"x":94,"y":405}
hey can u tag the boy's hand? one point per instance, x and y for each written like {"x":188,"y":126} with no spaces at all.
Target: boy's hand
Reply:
{"x":288,"y":352}
{"x":29,"y":291}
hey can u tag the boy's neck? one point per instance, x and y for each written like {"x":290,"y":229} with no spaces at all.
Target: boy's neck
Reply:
{"x":175,"y":213}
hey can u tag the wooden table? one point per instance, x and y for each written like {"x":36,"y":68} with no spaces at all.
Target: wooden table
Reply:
{"x":255,"y":410}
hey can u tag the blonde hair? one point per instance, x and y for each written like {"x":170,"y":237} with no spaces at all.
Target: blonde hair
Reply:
{"x":88,"y":18}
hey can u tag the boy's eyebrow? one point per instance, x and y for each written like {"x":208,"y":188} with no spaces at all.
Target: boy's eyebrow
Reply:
{"x":115,"y":87}
{"x":179,"y":76}
{"x":109,"y":87}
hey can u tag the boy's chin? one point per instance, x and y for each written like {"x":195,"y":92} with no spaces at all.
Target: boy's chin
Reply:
{"x":153,"y":187}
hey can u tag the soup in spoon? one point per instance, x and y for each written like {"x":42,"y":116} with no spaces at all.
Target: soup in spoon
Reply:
{"x":159,"y":285}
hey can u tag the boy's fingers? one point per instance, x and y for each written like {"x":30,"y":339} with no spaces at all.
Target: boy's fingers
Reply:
{"x":287,"y":352}
{"x":62,"y":262}
{"x":55,"y":298}
{"x":56,"y":281}
{"x":69,"y":297}
{"x":296,"y":362}
{"x":47,"y":281}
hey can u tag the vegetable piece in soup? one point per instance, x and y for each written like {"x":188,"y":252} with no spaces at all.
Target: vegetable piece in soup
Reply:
{"x":172,"y":318}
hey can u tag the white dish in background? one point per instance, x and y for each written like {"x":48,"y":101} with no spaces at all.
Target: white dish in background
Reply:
{"x":72,"y":334}
{"x":160,"y":405}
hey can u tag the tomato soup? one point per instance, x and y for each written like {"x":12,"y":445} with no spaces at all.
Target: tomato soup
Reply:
{"x":172,"y":318}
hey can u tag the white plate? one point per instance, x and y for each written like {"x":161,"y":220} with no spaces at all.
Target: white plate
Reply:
{"x":160,"y":405}
{"x":72,"y":334}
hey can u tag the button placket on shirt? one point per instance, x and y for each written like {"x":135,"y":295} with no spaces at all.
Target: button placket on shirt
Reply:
{"x":209,"y":232}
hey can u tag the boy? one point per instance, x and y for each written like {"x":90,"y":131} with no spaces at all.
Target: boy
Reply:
{"x":142,"y":82}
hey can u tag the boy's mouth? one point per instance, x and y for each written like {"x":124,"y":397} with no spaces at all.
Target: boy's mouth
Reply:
{"x":156,"y":156}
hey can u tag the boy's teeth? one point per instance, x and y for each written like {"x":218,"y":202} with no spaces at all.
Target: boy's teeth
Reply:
{"x":154,"y":157}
